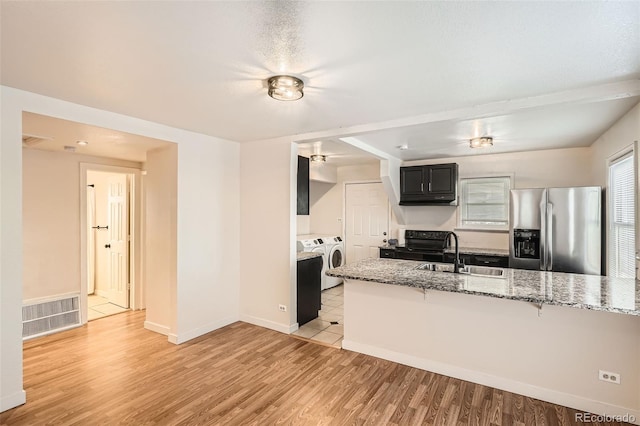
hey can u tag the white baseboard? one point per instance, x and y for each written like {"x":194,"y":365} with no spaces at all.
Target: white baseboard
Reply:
{"x":199,"y":331}
{"x":10,"y":401}
{"x":544,"y":394}
{"x":282,"y":328}
{"x":162,"y":329}
{"x":101,"y":293}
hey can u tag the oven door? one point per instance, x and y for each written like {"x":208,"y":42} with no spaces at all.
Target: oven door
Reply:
{"x":418,"y":254}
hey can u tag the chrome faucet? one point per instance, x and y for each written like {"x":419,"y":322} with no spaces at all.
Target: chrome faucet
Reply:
{"x":457,"y":264}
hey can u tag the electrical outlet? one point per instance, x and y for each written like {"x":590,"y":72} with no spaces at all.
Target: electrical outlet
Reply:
{"x":283,"y":308}
{"x":608,"y":376}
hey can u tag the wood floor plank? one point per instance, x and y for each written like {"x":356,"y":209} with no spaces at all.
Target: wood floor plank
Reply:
{"x":114,"y":372}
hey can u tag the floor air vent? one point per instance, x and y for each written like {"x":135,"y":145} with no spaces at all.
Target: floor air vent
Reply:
{"x":47,"y":317}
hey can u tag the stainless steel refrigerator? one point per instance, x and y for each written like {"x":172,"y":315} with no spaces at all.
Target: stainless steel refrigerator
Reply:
{"x":556,"y":229}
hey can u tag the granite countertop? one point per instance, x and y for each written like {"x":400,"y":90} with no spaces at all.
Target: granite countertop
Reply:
{"x":304,"y":255}
{"x":621,"y":295}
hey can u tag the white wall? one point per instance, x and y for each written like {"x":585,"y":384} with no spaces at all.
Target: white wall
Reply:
{"x":208,"y":204}
{"x":501,"y":343}
{"x":51,"y":221}
{"x":327,"y":199}
{"x":208,"y":235}
{"x":620,"y":136}
{"x":267,"y":236}
{"x":160,"y":269}
{"x":531,"y":169}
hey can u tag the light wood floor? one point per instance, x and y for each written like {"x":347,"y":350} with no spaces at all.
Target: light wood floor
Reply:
{"x":113,"y":371}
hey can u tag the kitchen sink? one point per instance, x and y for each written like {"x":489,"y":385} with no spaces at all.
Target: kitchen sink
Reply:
{"x":483,"y":271}
{"x":437,"y":267}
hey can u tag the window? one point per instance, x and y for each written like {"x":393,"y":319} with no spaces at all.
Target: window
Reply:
{"x":484,"y":203}
{"x":622,"y":218}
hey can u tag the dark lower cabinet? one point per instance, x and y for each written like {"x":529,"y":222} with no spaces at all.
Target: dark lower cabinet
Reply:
{"x":480,"y":260}
{"x":309,"y":288}
{"x":388,"y":253}
{"x":466,"y":258}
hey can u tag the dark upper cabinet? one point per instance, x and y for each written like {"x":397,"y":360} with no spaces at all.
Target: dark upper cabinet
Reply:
{"x":303,"y":185}
{"x":434,"y":184}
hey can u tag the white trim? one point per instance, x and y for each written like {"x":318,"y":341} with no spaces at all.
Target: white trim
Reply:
{"x":54,"y":331}
{"x":630,"y":150}
{"x":45,"y":299}
{"x":200,"y":331}
{"x":549,"y":395}
{"x":101,"y":293}
{"x":271,"y":325}
{"x":293,"y":231}
{"x":618,"y":155}
{"x":157,"y":328}
{"x":135,"y":238}
{"x":13,"y":400}
{"x":480,"y":228}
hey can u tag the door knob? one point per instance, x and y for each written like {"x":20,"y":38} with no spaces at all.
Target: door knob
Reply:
{"x":384,"y":241}
{"x":107,"y":246}
{"x":384,"y":233}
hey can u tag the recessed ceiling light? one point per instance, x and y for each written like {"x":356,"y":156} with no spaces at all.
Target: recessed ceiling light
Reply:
{"x":70,"y":148}
{"x":317,"y":158}
{"x":285,"y":88}
{"x":403,"y":147}
{"x":82,"y":143}
{"x":481,"y":142}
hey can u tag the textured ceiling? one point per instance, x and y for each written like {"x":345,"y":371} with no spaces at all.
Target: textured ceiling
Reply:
{"x":201,"y":65}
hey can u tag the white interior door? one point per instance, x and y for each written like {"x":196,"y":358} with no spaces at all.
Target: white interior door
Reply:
{"x":118,"y":244}
{"x":367,"y":220}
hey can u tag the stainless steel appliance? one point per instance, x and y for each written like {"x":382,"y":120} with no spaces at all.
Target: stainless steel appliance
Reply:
{"x":556,"y":229}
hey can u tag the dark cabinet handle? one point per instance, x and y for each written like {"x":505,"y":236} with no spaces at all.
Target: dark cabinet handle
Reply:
{"x":107,"y":246}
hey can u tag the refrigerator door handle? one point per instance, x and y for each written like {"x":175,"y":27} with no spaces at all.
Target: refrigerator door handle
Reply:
{"x":550,"y":237}
{"x":543,"y":235}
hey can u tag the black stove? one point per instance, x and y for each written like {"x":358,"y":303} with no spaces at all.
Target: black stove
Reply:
{"x":425,"y":245}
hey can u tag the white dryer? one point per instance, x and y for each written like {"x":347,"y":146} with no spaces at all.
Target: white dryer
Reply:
{"x":334,"y":247}
{"x":315,"y":245}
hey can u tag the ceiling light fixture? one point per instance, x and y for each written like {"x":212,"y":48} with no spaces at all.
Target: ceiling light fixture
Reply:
{"x":285,"y":88}
{"x":482,"y":142}
{"x":403,"y":147}
{"x":317,"y":158}
{"x":83,"y":143}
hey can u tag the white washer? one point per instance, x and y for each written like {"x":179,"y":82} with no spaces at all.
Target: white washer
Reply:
{"x":335,"y":258}
{"x":317,"y":246}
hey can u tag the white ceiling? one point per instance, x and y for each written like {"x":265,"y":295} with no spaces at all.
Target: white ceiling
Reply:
{"x":55,"y":134}
{"x":338,"y":153}
{"x":559,"y":126}
{"x":201,"y":66}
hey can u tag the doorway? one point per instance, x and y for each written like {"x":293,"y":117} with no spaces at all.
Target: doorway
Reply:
{"x":366,"y":220}
{"x":109,"y":213}
{"x":110,"y":231}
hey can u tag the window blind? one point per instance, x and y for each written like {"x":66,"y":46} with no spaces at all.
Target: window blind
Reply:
{"x":485,"y":202}
{"x":622,"y":218}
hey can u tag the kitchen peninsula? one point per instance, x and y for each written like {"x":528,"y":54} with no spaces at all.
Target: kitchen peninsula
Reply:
{"x":541,"y":334}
